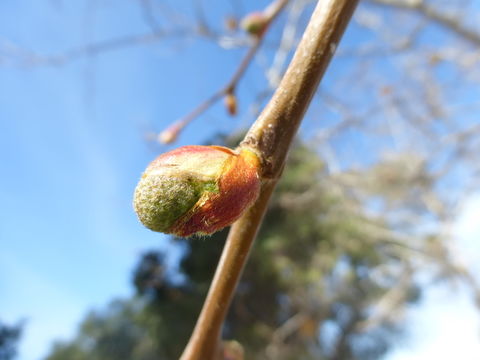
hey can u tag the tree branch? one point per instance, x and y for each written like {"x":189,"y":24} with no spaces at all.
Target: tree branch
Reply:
{"x":171,"y":132}
{"x":31,"y":58}
{"x":272,"y":133}
{"x":270,"y":137}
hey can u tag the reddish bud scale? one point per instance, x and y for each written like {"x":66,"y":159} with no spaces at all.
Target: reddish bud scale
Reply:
{"x":239,"y":187}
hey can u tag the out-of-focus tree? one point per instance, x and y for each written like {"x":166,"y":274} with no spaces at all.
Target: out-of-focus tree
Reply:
{"x":9,"y":337}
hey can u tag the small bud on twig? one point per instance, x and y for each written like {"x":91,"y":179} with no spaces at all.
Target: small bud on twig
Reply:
{"x":230,"y":102}
{"x":255,"y":23}
{"x":230,"y":23}
{"x":170,"y":134}
{"x":197,"y":189}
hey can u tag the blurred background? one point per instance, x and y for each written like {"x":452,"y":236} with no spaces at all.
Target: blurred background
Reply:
{"x":370,"y":247}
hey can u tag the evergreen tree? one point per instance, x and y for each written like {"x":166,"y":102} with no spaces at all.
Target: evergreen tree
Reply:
{"x":9,"y":336}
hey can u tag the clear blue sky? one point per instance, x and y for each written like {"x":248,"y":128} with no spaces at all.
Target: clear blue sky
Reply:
{"x":72,"y":150}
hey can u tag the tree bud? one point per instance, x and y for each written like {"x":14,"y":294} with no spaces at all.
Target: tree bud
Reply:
{"x":170,"y":134}
{"x":197,"y":189}
{"x":230,"y":102}
{"x":255,"y":23}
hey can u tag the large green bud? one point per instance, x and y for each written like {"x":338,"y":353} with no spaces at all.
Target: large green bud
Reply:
{"x":197,"y":189}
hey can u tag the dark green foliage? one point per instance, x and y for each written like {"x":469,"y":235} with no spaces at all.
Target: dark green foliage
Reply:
{"x":9,"y":336}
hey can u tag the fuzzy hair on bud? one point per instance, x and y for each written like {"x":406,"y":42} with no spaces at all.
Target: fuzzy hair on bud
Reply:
{"x":197,"y":189}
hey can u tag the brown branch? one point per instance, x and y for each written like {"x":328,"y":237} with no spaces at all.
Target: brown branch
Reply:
{"x":289,"y":327}
{"x":172,"y":131}
{"x":270,"y":136}
{"x":272,"y":133}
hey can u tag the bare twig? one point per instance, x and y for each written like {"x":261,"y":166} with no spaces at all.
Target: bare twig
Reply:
{"x":172,"y":131}
{"x":272,"y":133}
{"x":270,"y":137}
{"x":31,"y":58}
{"x":285,"y":330}
{"x":148,"y":15}
{"x":229,"y":88}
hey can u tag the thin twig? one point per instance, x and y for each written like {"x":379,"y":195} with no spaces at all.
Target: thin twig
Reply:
{"x":31,"y":58}
{"x":271,"y":137}
{"x":174,"y":129}
{"x":272,"y":133}
{"x":149,"y":17}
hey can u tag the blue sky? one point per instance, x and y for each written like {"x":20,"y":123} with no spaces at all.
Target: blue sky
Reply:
{"x":72,"y":148}
{"x":446,"y":324}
